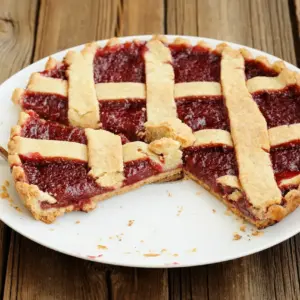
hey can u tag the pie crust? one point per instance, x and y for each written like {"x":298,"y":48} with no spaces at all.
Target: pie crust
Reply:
{"x":157,"y":108}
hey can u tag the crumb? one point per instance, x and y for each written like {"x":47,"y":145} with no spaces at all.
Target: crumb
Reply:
{"x":170,"y":194}
{"x":102,"y":247}
{"x":243,"y":228}
{"x":180,"y":209}
{"x":4,"y":195}
{"x":141,"y":241}
{"x":52,"y":229}
{"x":77,"y":222}
{"x":130,"y":223}
{"x":151,"y":254}
{"x":111,"y":237}
{"x":194,"y":250}
{"x":227,"y":212}
{"x":175,"y":255}
{"x":6,"y":183}
{"x":236,"y":237}
{"x":214,"y":211}
{"x":198,"y":193}
{"x":18,"y":209}
{"x":119,"y":237}
{"x":163,"y":250}
{"x":257,"y":233}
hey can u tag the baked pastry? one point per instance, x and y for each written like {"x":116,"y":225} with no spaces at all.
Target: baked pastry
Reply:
{"x":229,"y":121}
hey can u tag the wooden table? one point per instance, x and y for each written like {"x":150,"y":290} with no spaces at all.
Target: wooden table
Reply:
{"x":32,"y":29}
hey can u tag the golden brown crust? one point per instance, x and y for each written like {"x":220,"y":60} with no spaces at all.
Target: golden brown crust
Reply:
{"x":171,"y":128}
{"x":17,"y":95}
{"x":41,"y":84}
{"x":258,"y":223}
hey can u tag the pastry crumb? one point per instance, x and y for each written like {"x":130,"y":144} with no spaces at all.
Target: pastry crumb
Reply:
{"x":227,"y":212}
{"x":257,"y":233}
{"x":102,"y":247}
{"x":77,"y":222}
{"x":194,"y":250}
{"x":169,"y":194}
{"x":111,"y":237}
{"x":175,"y":254}
{"x":130,"y":223}
{"x":6,"y":183}
{"x":141,"y":241}
{"x":4,"y":195}
{"x":180,"y":209}
{"x":198,"y":193}
{"x":214,"y":211}
{"x":163,"y":250}
{"x":236,"y":237}
{"x":151,"y":254}
{"x":18,"y":209}
{"x":243,"y":228}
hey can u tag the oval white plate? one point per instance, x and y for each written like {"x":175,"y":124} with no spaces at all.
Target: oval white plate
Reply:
{"x":174,"y":223}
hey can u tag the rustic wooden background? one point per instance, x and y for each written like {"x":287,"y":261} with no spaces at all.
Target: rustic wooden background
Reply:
{"x":32,"y":29}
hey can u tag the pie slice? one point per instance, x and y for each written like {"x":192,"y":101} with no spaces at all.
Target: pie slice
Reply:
{"x":109,"y":119}
{"x":59,"y":169}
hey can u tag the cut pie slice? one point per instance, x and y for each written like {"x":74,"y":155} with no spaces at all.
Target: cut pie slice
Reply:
{"x":236,"y":119}
{"x":59,"y":169}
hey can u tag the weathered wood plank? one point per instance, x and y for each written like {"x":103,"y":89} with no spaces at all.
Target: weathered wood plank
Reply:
{"x":76,"y":22}
{"x":17,"y":26}
{"x":34,"y":272}
{"x":266,"y":25}
{"x":146,"y":17}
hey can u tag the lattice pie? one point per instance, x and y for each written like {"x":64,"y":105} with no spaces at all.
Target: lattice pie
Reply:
{"x":107,"y":120}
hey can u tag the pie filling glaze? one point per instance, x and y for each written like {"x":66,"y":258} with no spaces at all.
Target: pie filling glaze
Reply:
{"x":48,"y":106}
{"x":125,"y":117}
{"x":70,"y":181}
{"x":206,"y":112}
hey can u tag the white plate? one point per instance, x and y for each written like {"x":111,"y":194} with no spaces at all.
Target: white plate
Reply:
{"x":177,"y":217}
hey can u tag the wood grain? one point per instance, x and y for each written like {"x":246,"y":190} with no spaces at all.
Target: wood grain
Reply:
{"x":17,"y":28}
{"x":145,"y":18}
{"x":266,"y":25}
{"x":76,"y":22}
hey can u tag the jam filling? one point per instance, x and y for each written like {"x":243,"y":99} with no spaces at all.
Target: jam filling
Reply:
{"x":195,"y":63}
{"x":209,"y":163}
{"x":125,"y":117}
{"x":255,"y":68}
{"x":286,"y":161}
{"x":206,"y":112}
{"x":51,"y":107}
{"x":69,"y":183}
{"x":280,"y":107}
{"x":66,"y":180}
{"x":120,"y":63}
{"x":36,"y":128}
{"x":137,"y":170}
{"x":58,"y":72}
